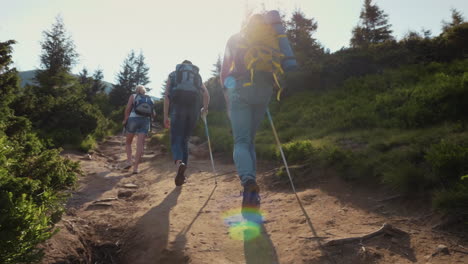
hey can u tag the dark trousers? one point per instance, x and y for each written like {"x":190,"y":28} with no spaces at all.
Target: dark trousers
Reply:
{"x":184,"y":118}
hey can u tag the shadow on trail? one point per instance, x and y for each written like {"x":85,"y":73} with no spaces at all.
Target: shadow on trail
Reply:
{"x":181,"y":239}
{"x":96,"y":185}
{"x":260,"y":249}
{"x":147,"y":241}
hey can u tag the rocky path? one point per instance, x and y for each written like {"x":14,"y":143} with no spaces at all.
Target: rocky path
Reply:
{"x":117,"y":217}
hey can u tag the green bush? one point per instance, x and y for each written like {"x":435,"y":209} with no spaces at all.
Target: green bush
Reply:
{"x":298,"y":151}
{"x":404,"y":177}
{"x":453,"y":200}
{"x":31,"y":197}
{"x":23,"y":225}
{"x":448,"y":161}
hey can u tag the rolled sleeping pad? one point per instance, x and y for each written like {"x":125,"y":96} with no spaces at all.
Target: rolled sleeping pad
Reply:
{"x":289,"y":63}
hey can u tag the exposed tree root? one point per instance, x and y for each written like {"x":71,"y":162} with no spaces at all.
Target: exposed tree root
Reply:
{"x":385,"y":229}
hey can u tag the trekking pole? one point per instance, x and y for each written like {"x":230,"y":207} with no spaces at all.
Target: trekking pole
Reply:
{"x":280,"y":149}
{"x":309,"y":222}
{"x":203,"y":116}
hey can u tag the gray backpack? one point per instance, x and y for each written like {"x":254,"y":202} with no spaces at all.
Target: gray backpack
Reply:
{"x":186,"y":84}
{"x":143,"y":105}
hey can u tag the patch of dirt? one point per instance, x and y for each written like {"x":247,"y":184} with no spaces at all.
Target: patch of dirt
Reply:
{"x":118,"y":217}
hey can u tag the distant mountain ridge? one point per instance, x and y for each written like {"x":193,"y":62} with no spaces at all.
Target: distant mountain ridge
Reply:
{"x":27,"y":77}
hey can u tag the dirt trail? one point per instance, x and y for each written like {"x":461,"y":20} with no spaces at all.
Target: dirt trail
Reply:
{"x":118,"y":217}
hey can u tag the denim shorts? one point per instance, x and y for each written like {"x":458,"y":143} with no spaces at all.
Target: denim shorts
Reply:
{"x":138,"y":125}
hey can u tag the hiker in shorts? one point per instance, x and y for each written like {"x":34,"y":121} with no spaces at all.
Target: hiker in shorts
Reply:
{"x":185,"y":98}
{"x":247,"y":93}
{"x":137,"y":121}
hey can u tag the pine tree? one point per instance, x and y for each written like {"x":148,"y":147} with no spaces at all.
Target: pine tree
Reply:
{"x":217,"y":67}
{"x":300,"y":30}
{"x":8,"y":81}
{"x":83,"y":76}
{"x":373,"y":27}
{"x":134,"y":72}
{"x":58,"y":49}
{"x":57,"y":59}
{"x":141,"y":71}
{"x":457,"y":19}
{"x":98,"y":84}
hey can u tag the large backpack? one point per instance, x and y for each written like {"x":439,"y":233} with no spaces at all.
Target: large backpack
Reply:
{"x":143,"y":105}
{"x":261,"y":48}
{"x":186,"y":84}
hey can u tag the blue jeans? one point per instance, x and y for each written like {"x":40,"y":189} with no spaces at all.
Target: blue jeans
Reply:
{"x":247,"y":110}
{"x":183,"y":121}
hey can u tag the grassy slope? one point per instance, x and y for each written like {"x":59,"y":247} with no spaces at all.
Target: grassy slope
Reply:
{"x":404,"y":128}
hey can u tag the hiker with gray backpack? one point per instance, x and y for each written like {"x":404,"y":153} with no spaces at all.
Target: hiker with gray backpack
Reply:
{"x":253,"y":60}
{"x":137,"y":121}
{"x":185,"y":98}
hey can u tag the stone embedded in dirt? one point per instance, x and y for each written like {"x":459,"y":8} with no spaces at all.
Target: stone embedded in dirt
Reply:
{"x":441,"y":249}
{"x":130,"y":186}
{"x":125,"y":193}
{"x":106,"y":200}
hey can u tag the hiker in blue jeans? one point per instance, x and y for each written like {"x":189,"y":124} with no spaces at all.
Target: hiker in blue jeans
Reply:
{"x":247,"y":96}
{"x":183,"y":100}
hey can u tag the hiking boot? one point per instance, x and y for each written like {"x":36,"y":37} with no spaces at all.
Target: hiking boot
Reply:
{"x":180,"y":178}
{"x":251,"y":200}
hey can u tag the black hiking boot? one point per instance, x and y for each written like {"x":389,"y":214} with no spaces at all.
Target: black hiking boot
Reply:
{"x":180,"y":178}
{"x":251,"y":201}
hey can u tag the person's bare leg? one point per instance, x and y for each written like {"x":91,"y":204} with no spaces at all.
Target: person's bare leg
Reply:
{"x":139,"y":150}
{"x":128,"y":147}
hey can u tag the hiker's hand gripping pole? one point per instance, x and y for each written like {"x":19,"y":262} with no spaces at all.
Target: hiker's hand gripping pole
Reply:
{"x":203,"y":116}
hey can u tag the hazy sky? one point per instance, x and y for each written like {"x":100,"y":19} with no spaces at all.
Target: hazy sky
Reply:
{"x":104,"y":31}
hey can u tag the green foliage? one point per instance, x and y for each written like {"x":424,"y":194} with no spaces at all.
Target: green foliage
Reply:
{"x":448,"y":160}
{"x":88,"y":143}
{"x":453,"y":200}
{"x":161,"y":139}
{"x":298,"y":151}
{"x":404,"y":177}
{"x":32,"y":178}
{"x":23,"y":225}
{"x":219,"y":129}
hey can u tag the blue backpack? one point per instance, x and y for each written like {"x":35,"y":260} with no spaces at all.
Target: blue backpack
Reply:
{"x":143,"y":105}
{"x":186,"y":84}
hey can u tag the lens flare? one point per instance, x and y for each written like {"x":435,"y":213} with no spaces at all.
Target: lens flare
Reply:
{"x":244,"y":231}
{"x":230,"y":82}
{"x":244,"y":224}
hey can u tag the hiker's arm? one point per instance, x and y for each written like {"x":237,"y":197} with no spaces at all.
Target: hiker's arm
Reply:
{"x":206,"y":98}
{"x":226,"y":98}
{"x":166,"y":103}
{"x":128,"y":109}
